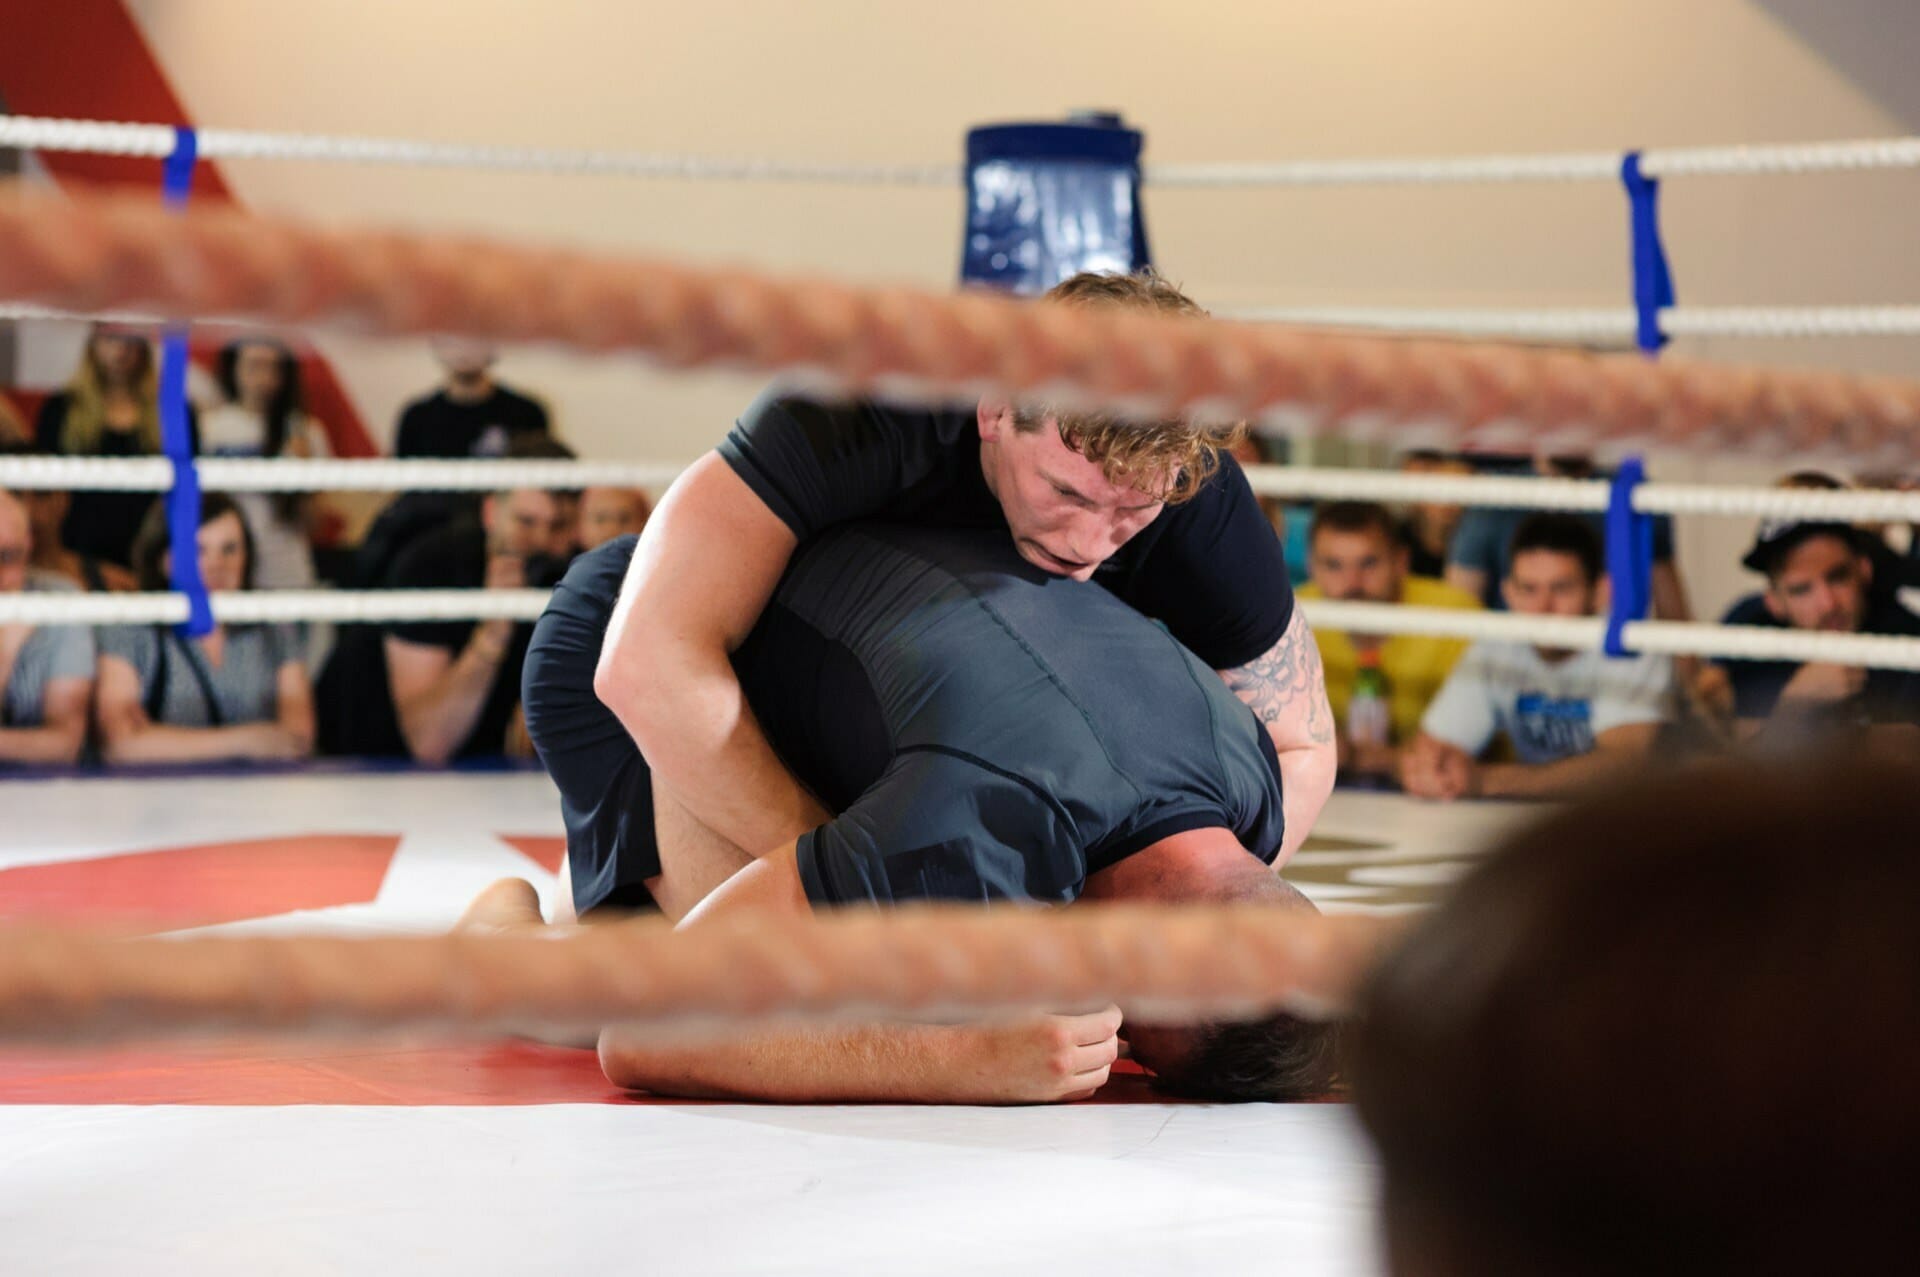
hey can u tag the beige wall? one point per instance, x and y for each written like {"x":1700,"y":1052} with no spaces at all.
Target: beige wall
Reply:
{"x":1209,"y":80}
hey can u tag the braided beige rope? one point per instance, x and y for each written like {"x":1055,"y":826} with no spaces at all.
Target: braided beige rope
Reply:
{"x":105,"y":253}
{"x":921,"y":963}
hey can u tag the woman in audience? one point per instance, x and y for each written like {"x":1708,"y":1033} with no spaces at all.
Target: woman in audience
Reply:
{"x":111,"y":408}
{"x":241,"y":692}
{"x":263,"y":418}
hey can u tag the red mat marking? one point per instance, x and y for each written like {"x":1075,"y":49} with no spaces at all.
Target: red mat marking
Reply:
{"x":545,"y":852}
{"x":514,"y":1074}
{"x":201,"y":886}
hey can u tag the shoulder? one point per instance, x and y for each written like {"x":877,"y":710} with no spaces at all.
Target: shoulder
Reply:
{"x":134,"y":644}
{"x":1749,"y":610}
{"x":1892,"y":618}
{"x":1426,"y":591}
{"x":41,"y":581}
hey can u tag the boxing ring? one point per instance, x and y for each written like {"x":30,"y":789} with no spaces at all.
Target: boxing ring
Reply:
{"x":235,"y":1035}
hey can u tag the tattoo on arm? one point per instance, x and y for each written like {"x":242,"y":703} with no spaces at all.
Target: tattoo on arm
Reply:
{"x":1287,"y":682}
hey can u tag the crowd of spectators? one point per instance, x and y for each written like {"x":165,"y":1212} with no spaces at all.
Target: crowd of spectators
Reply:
{"x":432,"y":692}
{"x":1445,"y":719}
{"x":1441,"y":717}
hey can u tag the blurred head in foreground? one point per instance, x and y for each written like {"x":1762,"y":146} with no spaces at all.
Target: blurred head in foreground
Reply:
{"x":1674,"y":1029}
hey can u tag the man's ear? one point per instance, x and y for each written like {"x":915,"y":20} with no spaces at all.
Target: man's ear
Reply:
{"x":996,"y":419}
{"x":488,"y":504}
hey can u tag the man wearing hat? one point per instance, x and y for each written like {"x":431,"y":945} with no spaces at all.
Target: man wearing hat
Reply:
{"x":1820,"y":576}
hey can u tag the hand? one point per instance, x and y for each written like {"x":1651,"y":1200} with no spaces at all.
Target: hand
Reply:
{"x":1712,"y":693}
{"x":1824,"y":682}
{"x":519,"y":743}
{"x":1435,"y":770}
{"x":490,"y":640}
{"x":1042,"y":1059}
{"x":273,"y":743}
{"x":506,"y":572}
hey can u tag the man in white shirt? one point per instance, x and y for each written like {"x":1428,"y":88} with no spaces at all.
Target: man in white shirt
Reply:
{"x":1573,"y":718}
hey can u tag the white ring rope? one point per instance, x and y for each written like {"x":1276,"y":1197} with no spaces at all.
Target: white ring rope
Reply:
{"x":102,"y":137}
{"x":1616,"y":324}
{"x":287,"y":474}
{"x":254,"y":474}
{"x":386,"y":606}
{"x":1672,"y":638}
{"x":275,"y":606}
{"x":1521,"y":492}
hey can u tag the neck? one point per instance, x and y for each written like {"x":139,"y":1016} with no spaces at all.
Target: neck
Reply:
{"x":469,"y":390}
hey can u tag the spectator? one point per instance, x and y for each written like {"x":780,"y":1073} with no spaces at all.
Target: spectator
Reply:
{"x":1356,"y":556}
{"x":606,"y":513}
{"x":111,"y":408}
{"x":47,"y":515}
{"x":46,"y":671}
{"x":241,"y":692}
{"x":456,"y":685}
{"x":1661,"y":1033}
{"x":471,"y":415}
{"x":1572,"y":718}
{"x":263,"y":418}
{"x":1820,"y":576}
{"x":1289,"y":521}
{"x":1427,"y":531}
{"x":1477,"y":559}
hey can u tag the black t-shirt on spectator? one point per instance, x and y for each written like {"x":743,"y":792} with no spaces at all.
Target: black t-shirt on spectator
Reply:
{"x":438,"y":426}
{"x":455,"y":558}
{"x":101,"y":525}
{"x":1211,"y":569}
{"x":1890,"y":696}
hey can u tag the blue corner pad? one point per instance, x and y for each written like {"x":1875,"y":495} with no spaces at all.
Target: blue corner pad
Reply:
{"x":1046,"y":201}
{"x":1629,"y":554}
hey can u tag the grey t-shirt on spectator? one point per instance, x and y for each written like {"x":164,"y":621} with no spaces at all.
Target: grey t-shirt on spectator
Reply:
{"x":246,"y":682}
{"x":50,"y":653}
{"x":1550,"y":710}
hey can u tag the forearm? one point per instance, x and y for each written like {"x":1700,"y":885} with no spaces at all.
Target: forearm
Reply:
{"x":164,"y":743}
{"x":898,"y":1063}
{"x":1306,"y":779}
{"x":437,"y":719}
{"x":691,"y":720}
{"x":1555,"y":779}
{"x":41,"y":744}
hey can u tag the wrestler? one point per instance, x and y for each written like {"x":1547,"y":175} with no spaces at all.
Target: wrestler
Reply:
{"x":986,"y":732}
{"x":1150,"y":510}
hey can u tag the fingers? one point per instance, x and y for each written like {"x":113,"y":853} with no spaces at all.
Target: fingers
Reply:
{"x":1095,"y":1028}
{"x":1084,"y":1061}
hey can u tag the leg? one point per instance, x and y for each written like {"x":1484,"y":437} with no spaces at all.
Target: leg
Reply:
{"x":693,"y":859}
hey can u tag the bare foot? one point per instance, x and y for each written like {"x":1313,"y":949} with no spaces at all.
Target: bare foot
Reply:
{"x":510,"y":904}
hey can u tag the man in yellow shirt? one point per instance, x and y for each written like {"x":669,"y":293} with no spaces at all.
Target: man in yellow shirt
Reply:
{"x":1355,"y":556}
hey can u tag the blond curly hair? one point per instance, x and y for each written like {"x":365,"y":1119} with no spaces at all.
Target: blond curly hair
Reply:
{"x":1128,"y":450}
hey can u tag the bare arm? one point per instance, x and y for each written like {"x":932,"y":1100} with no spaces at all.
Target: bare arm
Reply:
{"x":293,"y":695}
{"x":1036,"y":1060}
{"x":1614,"y":753}
{"x":707,"y":563}
{"x":1287,"y":691}
{"x":438,"y":695}
{"x":62,"y":730}
{"x":127,"y":735}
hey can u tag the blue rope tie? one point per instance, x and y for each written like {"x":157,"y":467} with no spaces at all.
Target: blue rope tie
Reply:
{"x":176,"y":438}
{"x":1629,"y":545}
{"x":1652,"y":281}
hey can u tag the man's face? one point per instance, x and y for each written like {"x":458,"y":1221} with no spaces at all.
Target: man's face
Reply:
{"x":606,"y":513}
{"x":1359,"y":566}
{"x":525,"y":522}
{"x":1821,"y":585}
{"x":464,"y":360}
{"x":1067,"y":517}
{"x":1548,"y":583}
{"x":16,"y":545}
